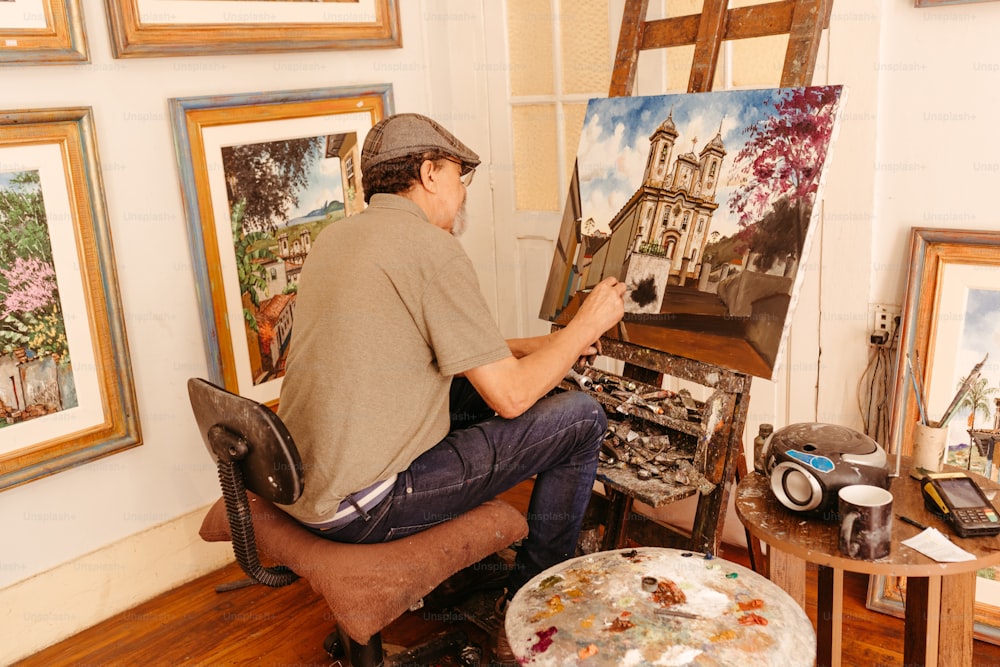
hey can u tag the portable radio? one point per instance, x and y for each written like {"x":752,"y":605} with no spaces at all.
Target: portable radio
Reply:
{"x":808,"y":463}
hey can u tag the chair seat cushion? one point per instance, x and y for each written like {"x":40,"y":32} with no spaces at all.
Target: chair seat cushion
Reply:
{"x":368,"y":586}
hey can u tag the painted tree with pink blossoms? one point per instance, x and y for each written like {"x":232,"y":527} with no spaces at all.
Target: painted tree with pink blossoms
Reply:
{"x":781,"y":166}
{"x":30,"y":312}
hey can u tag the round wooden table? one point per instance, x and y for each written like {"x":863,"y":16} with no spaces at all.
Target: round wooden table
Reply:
{"x":940,"y":597}
{"x":658,"y":606}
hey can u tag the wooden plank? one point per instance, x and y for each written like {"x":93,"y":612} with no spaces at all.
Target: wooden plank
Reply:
{"x":704,"y":374}
{"x":667,"y":33}
{"x":958,"y":602}
{"x":712,"y":456}
{"x":710,"y":517}
{"x":758,"y":561}
{"x":923,"y":607}
{"x":789,"y":572}
{"x":803,"y":41}
{"x":764,"y":20}
{"x":829,"y":616}
{"x":706,"y":49}
{"x":627,"y":55}
{"x":617,"y":518}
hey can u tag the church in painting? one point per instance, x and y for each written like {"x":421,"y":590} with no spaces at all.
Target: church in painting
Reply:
{"x":663,"y":229}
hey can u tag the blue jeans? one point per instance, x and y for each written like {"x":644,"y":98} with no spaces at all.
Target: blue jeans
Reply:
{"x":556,"y":440}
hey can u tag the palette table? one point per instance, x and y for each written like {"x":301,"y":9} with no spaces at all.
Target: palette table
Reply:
{"x":658,"y":606}
{"x":940,"y":597}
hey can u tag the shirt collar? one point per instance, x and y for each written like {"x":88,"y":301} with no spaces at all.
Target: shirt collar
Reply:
{"x":398,"y":203}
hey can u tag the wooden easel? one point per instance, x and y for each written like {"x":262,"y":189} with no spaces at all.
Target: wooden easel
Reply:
{"x":802,"y":20}
{"x":719,"y":453}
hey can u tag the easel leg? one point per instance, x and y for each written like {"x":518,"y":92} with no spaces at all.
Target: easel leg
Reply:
{"x":620,"y":506}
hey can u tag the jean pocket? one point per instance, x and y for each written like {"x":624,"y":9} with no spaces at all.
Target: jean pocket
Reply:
{"x":405,"y":531}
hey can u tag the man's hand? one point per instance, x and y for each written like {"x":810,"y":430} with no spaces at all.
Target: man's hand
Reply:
{"x":589,"y":354}
{"x":602,"y":309}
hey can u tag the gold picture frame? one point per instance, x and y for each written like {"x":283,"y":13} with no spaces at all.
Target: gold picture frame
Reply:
{"x":70,"y":397}
{"x":952,"y":298}
{"x":42,"y":32}
{"x":887,"y":594}
{"x":944,"y":265}
{"x":144,"y":28}
{"x":246,"y":274}
{"x":942,"y":3}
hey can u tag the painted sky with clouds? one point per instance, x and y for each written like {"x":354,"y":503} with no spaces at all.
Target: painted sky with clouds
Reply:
{"x":614,"y":144}
{"x":980,"y":336}
{"x":7,"y":178}
{"x":324,"y":185}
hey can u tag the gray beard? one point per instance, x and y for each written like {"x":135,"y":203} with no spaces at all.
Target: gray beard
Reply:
{"x":461,"y":219}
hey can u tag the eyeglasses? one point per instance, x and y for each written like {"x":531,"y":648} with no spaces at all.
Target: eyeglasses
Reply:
{"x":466,"y":172}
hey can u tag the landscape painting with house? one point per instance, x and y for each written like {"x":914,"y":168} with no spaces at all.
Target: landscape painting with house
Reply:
{"x":703,"y":204}
{"x":281,"y":195}
{"x":36,"y":376}
{"x":974,"y":431}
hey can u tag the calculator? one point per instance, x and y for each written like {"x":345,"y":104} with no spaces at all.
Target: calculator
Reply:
{"x":955,"y":497}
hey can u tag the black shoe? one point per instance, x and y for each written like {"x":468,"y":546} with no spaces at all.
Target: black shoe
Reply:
{"x":488,"y":574}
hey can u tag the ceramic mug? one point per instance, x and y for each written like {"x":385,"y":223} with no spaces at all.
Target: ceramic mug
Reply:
{"x":929,"y":445}
{"x":865,"y":521}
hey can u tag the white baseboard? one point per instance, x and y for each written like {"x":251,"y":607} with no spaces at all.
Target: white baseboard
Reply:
{"x":54,"y":605}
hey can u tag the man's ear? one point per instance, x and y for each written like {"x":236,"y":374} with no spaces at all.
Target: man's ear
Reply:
{"x":429,"y":173}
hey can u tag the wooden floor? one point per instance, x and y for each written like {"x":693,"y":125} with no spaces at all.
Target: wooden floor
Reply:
{"x":194,"y":625}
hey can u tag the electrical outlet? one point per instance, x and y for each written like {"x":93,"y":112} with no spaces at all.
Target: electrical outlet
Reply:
{"x":882,"y":323}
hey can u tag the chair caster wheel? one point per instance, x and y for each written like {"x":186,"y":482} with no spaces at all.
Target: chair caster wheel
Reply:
{"x":333,"y":646}
{"x":470,"y":656}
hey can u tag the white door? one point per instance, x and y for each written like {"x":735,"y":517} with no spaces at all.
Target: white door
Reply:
{"x":545,"y":59}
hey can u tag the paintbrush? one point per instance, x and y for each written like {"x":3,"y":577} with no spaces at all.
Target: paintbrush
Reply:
{"x":970,"y":380}
{"x":917,"y":392}
{"x":674,"y":612}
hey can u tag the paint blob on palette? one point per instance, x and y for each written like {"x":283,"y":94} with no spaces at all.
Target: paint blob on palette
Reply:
{"x":652,"y":606}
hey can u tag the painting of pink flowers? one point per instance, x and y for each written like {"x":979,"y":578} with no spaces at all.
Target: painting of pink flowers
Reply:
{"x":36,"y":375}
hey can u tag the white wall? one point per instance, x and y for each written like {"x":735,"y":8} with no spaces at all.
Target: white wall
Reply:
{"x":939,"y":147}
{"x":918,"y":148}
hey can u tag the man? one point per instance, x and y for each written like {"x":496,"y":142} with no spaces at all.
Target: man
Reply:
{"x":406,"y":403}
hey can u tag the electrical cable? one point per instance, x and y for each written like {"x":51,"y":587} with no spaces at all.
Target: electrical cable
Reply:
{"x":874,"y":387}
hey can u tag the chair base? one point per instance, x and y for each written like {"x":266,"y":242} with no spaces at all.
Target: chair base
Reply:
{"x":455,"y":643}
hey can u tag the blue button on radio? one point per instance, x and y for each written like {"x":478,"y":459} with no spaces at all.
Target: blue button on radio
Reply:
{"x":819,"y":463}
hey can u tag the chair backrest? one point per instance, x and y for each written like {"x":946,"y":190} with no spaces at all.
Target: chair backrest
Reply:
{"x":253,"y":451}
{"x":240,"y":430}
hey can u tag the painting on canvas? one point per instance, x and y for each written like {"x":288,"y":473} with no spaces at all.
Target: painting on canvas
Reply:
{"x":704,"y":205}
{"x":281,"y":195}
{"x":34,"y":351}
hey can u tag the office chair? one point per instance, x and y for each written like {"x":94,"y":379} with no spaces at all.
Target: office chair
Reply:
{"x":366,"y":586}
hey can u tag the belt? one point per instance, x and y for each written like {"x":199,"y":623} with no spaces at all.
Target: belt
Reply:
{"x":357,"y":504}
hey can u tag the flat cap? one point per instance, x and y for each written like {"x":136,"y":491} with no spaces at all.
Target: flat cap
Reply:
{"x":411,"y":134}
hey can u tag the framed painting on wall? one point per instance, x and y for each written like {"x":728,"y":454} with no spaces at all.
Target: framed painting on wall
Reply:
{"x":262,"y":175}
{"x":142,"y":28}
{"x":66,"y":391}
{"x":950,"y":320}
{"x":39,"y":32}
{"x":705,"y":209}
